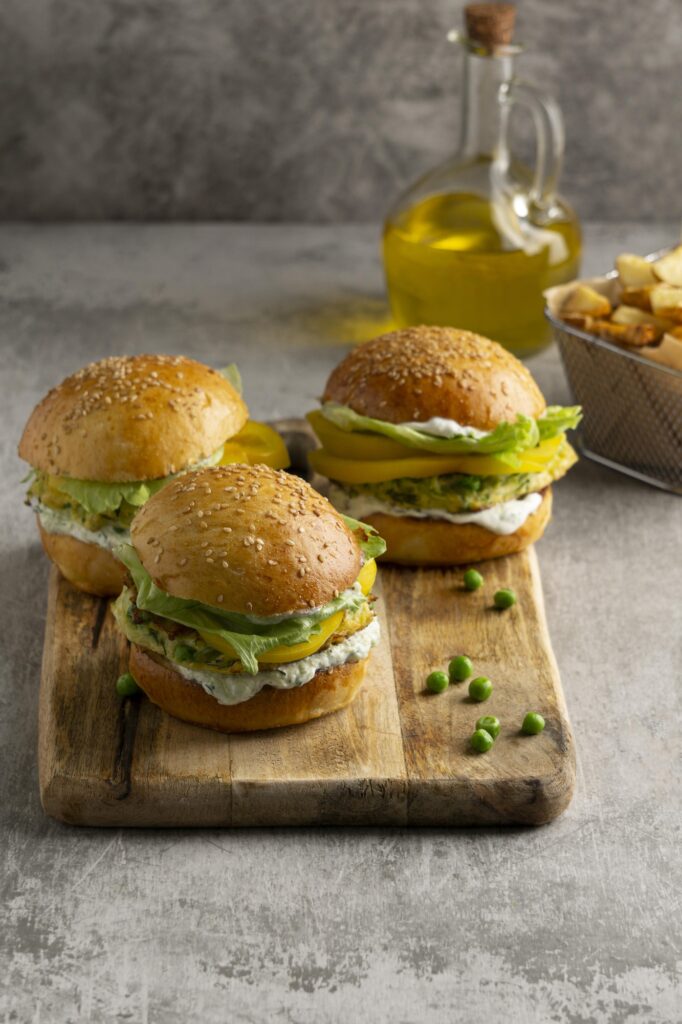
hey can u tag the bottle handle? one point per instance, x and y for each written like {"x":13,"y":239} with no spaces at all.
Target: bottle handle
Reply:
{"x":549,"y":133}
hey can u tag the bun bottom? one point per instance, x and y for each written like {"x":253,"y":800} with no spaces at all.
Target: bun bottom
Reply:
{"x":87,"y":566}
{"x":269,"y":709}
{"x":437,"y":542}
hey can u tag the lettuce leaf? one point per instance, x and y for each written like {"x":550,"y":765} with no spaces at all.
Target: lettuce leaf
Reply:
{"x":371,"y":544}
{"x":507,"y":437}
{"x":558,"y":418}
{"x":248,"y":638}
{"x":100,"y":499}
{"x":233,"y":376}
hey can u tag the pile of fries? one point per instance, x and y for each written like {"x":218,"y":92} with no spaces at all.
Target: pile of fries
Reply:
{"x":648,"y":308}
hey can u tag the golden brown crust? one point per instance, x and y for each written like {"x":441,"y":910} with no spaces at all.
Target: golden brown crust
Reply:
{"x":270,"y":709}
{"x":88,"y":566}
{"x":436,"y":542}
{"x":132,"y":418}
{"x":247,"y":539}
{"x":420,"y":372}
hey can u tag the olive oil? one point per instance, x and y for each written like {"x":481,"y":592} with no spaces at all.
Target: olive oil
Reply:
{"x":447,"y":262}
{"x":475,"y":241}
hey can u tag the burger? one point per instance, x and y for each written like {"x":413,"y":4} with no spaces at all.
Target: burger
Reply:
{"x":248,"y":600}
{"x":442,"y":441}
{"x":114,"y":433}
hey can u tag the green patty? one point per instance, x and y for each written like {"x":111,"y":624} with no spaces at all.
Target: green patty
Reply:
{"x":145,"y":630}
{"x":459,"y":492}
{"x":44,"y":491}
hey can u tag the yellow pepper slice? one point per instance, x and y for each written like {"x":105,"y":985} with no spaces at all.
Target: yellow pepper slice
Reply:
{"x":355,"y":444}
{"x":256,"y":443}
{"x":367,"y":576}
{"x":281,"y":654}
{"x":369,"y":471}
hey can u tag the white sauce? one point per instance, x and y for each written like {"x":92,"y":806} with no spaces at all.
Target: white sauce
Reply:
{"x":503,"y":519}
{"x":437,"y":426}
{"x":236,"y":687}
{"x":272,"y":620}
{"x":54,"y":521}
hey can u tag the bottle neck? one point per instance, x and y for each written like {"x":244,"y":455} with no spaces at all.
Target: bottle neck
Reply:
{"x":483,"y":131}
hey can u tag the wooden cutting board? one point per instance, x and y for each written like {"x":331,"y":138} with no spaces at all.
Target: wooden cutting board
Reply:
{"x":397,"y":756}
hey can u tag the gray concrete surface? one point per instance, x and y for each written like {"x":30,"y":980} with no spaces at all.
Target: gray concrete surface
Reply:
{"x":579,"y":921}
{"x":311,"y":109}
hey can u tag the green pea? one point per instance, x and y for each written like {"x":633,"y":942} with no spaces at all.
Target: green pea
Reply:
{"x":533,"y":723}
{"x":504,"y":598}
{"x":480,"y":688}
{"x":490,"y":724}
{"x":436,"y":682}
{"x":126,"y":685}
{"x":472,"y":580}
{"x":183,"y":652}
{"x":460,"y":668}
{"x":481,"y":741}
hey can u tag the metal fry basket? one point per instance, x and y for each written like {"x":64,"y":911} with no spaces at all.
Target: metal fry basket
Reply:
{"x":632,"y":406}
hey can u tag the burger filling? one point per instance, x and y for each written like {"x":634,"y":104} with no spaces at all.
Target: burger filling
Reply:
{"x":94,"y":512}
{"x":440,"y":469}
{"x":101,"y":513}
{"x":233,"y":656}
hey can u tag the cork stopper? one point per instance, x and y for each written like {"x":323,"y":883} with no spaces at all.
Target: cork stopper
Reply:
{"x":490,"y":25}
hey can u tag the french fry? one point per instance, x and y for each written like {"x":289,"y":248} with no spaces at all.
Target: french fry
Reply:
{"x":631,"y":335}
{"x":666,"y":302}
{"x":639,"y":297}
{"x":634,"y":271}
{"x":669,"y":268}
{"x":583,"y":299}
{"x":580,"y":320}
{"x":632,"y":315}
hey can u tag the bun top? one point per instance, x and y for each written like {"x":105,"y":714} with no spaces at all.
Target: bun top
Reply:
{"x":246,"y":539}
{"x":132,"y":418}
{"x":420,"y":372}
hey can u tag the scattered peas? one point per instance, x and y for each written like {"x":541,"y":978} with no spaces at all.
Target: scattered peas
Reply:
{"x":460,"y":668}
{"x":533,"y":723}
{"x":504,"y":598}
{"x":480,"y":688}
{"x":490,"y":724}
{"x":472,"y":580}
{"x":481,"y":741}
{"x":126,"y":685}
{"x":436,"y":682}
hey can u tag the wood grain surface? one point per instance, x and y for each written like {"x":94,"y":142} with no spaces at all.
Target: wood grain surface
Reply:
{"x":398,"y":755}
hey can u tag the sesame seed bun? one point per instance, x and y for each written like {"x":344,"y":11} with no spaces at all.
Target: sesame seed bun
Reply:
{"x":87,"y":566}
{"x":436,"y":542}
{"x":269,"y":709}
{"x":421,"y":372}
{"x":132,"y":418}
{"x":247,"y":539}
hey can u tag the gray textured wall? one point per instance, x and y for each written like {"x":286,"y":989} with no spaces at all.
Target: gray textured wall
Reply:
{"x":311,"y":109}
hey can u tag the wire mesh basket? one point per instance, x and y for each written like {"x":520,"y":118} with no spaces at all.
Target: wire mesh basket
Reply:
{"x":632,"y":406}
